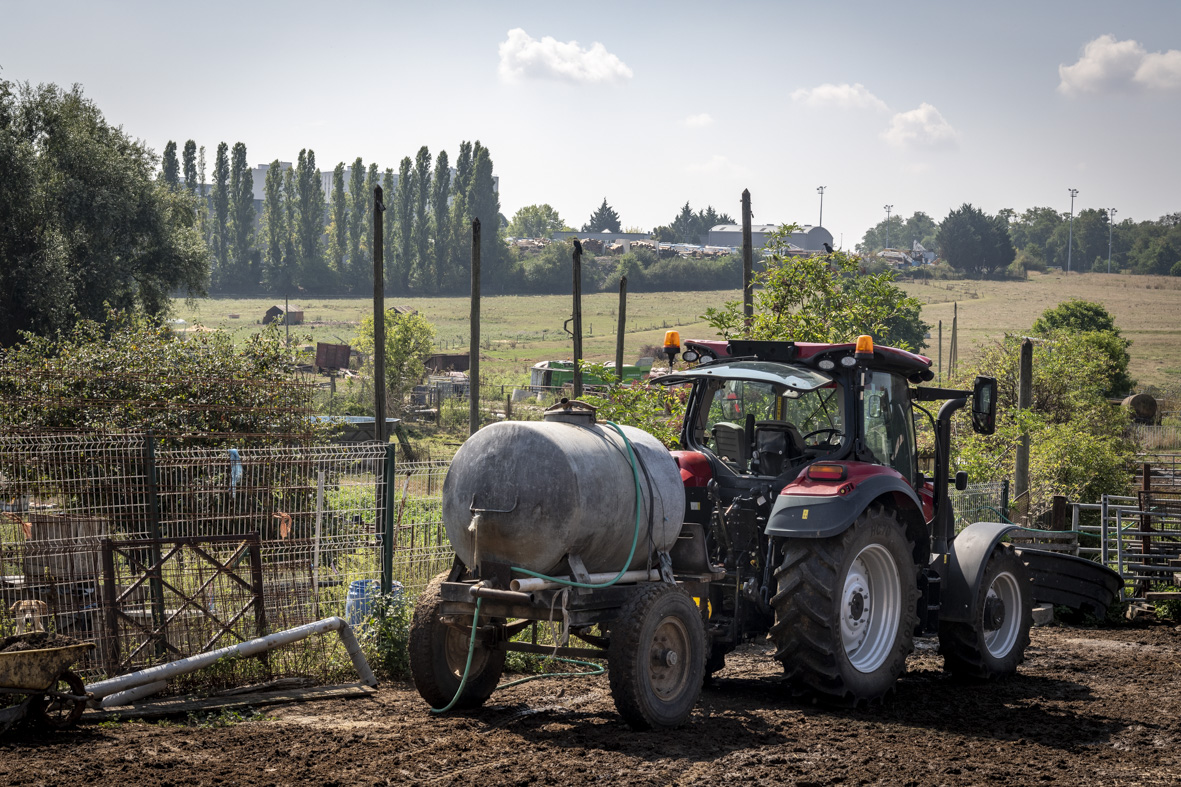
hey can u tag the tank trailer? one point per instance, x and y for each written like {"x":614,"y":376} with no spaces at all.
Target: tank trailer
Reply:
{"x":794,"y":509}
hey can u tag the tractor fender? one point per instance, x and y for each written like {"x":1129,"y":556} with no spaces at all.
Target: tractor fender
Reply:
{"x":830,"y":513}
{"x":964,"y":563}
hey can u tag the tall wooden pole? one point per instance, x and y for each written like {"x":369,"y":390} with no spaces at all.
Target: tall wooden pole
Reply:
{"x":940,"y":382}
{"x":577,"y":318}
{"x":473,"y":412}
{"x":748,"y":296}
{"x":379,"y":425}
{"x":1024,"y":400}
{"x":619,"y":332}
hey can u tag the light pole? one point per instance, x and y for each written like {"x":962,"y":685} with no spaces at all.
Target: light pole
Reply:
{"x":1110,"y":224}
{"x":1070,"y":233}
{"x":888,"y":209}
{"x":820,"y":191}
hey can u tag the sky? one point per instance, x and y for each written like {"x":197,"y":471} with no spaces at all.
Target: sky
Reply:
{"x":922,"y":106}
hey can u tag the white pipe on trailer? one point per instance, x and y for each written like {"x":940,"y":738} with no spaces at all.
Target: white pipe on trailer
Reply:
{"x":163,"y":672}
{"x":531,"y":584}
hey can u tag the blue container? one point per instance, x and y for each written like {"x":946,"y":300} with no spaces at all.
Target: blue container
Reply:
{"x":358,"y":604}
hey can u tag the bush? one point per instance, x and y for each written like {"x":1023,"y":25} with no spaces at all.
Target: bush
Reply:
{"x":386,"y":637}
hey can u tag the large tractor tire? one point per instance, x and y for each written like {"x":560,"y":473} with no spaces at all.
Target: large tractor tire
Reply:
{"x":656,"y":659}
{"x":994,"y":643}
{"x":845,"y":609}
{"x":438,"y":654}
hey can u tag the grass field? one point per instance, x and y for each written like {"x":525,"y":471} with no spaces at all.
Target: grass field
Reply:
{"x":518,"y":331}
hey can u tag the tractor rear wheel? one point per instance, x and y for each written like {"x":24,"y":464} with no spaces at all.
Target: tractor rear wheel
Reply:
{"x":994,"y":643}
{"x":438,"y":655}
{"x":656,"y":659}
{"x":845,"y":609}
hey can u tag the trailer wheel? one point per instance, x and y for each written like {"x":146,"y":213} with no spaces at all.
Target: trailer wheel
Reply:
{"x":845,"y":609}
{"x":994,"y":643}
{"x":656,"y":658}
{"x":55,"y":713}
{"x":438,"y":654}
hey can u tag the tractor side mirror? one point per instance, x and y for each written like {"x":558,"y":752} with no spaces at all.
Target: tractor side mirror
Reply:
{"x":961,"y":481}
{"x":984,"y":405}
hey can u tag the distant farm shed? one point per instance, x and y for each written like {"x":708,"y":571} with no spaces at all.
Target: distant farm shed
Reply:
{"x":292,"y":315}
{"x":448,"y":362}
{"x":404,"y":311}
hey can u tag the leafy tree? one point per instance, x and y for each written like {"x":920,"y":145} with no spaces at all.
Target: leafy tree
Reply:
{"x":244,"y":259}
{"x":1094,"y":325}
{"x":221,"y":213}
{"x":461,"y":241}
{"x":372,"y":179}
{"x":358,"y":207}
{"x":974,"y":243}
{"x":388,"y":188}
{"x":309,"y":225}
{"x":404,"y":224}
{"x":190,"y":166}
{"x":483,"y":203}
{"x":276,"y":233}
{"x":605,"y":219}
{"x":656,"y":409}
{"x":85,"y":222}
{"x":339,"y":232}
{"x":535,"y":221}
{"x":823,"y":299}
{"x":409,"y":341}
{"x":170,"y":168}
{"x":422,"y":229}
{"x":290,"y":247}
{"x":441,"y":223}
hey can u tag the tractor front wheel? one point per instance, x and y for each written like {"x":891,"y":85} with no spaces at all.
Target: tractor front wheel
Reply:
{"x":439,"y":652}
{"x":845,"y":609}
{"x":994,"y":643}
{"x":656,"y":659}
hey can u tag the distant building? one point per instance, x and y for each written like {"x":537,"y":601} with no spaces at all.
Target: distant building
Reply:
{"x":808,"y":238}
{"x":605,"y":237}
{"x":291,"y":315}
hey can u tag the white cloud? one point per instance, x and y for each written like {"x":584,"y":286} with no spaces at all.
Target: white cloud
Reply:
{"x":717,"y":164}
{"x":1111,"y":66}
{"x":844,"y":96}
{"x":525,"y":57}
{"x":704,"y":119}
{"x":924,"y":127}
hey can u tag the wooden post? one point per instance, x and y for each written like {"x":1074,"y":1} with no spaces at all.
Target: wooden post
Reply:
{"x":379,"y":425}
{"x":1024,"y":400}
{"x":748,"y":297}
{"x":940,"y":380}
{"x":1145,"y":520}
{"x":473,"y":412}
{"x":952,"y":354}
{"x":577,"y":318}
{"x":1058,"y":513}
{"x":619,"y":331}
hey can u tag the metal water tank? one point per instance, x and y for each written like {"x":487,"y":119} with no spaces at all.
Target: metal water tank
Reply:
{"x":530,"y":493}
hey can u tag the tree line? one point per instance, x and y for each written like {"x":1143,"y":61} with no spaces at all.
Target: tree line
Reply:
{"x":302,"y":239}
{"x":1012,"y":243}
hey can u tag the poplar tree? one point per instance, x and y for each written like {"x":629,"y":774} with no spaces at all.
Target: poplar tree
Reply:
{"x":440,"y":188}
{"x":309,"y":217}
{"x":484,"y":204}
{"x":340,"y":220}
{"x":388,"y":223}
{"x":219,"y":231}
{"x":358,"y":202}
{"x":290,"y":209}
{"x":422,"y":229}
{"x":245,"y":271}
{"x":404,"y":221}
{"x":190,"y":166}
{"x":171,"y":167}
{"x":461,"y":240}
{"x":275,"y":234}
{"x":371,"y":181}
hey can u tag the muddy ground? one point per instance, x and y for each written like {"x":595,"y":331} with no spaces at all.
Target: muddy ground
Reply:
{"x":1088,"y":707}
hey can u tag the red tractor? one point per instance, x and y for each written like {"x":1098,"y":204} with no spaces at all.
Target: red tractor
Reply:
{"x":805,"y":518}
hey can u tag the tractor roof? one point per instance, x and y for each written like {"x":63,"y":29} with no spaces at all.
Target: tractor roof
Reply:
{"x":915,"y":367}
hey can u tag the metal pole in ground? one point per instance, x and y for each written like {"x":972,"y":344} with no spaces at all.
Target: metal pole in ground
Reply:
{"x":1024,"y":400}
{"x":387,"y":514}
{"x":577,"y":318}
{"x":473,"y":411}
{"x":619,"y":331}
{"x":379,"y":426}
{"x":748,"y":298}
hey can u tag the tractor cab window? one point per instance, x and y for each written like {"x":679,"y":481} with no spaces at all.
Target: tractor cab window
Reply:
{"x":888,"y":424}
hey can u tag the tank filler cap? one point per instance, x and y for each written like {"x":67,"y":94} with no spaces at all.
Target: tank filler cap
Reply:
{"x":571,"y":411}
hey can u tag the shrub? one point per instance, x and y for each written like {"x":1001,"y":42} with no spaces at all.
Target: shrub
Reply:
{"x":386,"y":637}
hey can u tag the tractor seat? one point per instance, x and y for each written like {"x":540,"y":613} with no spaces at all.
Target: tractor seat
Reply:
{"x":777,"y":443}
{"x":731,"y":445}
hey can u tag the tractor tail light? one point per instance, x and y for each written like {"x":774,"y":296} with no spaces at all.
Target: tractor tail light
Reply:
{"x":827,"y":472}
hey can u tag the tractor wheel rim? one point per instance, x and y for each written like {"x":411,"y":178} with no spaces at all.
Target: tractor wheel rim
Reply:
{"x":456,"y":649}
{"x":1005,"y":590}
{"x":871,"y":608}
{"x":669,"y":660}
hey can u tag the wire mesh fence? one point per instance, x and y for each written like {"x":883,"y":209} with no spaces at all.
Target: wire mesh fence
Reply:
{"x":986,"y":502}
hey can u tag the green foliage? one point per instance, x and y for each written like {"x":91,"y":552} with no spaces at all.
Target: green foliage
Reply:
{"x":823,"y":299}
{"x":85,"y":221}
{"x":420,"y":269}
{"x":190,"y":166}
{"x":219,"y":228}
{"x":244,"y":258}
{"x":338,"y":231}
{"x":386,"y":635}
{"x":483,"y":203}
{"x":976,"y":244}
{"x":605,"y":219}
{"x":409,"y":341}
{"x":130,"y":374}
{"x":1077,"y":443}
{"x":653,"y":408}
{"x":403,"y":204}
{"x":440,"y":220}
{"x":690,"y":227}
{"x":535,"y":221}
{"x":276,"y":267}
{"x":308,"y":228}
{"x":170,"y":167}
{"x":1094,"y":325}
{"x":1169,"y":608}
{"x":899,"y":233}
{"x":358,"y":211}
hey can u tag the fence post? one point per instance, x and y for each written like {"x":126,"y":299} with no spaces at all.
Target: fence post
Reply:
{"x":1103,"y":514}
{"x":111,"y":652}
{"x":155,"y":580}
{"x":386,"y":512}
{"x":1005,"y":500}
{"x":1058,"y":513}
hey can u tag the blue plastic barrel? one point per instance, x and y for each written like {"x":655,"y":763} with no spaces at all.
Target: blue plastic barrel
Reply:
{"x":358,"y":604}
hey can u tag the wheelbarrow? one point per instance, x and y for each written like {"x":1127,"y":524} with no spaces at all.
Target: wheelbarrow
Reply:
{"x":54,"y":697}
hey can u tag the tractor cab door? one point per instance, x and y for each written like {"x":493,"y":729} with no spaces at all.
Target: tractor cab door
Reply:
{"x":888,"y":424}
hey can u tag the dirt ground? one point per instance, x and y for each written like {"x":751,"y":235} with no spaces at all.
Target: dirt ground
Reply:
{"x":1088,"y":707}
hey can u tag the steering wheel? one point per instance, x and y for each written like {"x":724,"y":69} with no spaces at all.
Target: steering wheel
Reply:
{"x":829,"y":431}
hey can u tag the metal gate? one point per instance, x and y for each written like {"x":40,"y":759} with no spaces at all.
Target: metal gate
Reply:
{"x":170,"y":598}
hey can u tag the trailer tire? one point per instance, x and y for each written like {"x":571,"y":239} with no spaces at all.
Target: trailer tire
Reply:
{"x":656,"y":658}
{"x":438,"y":654}
{"x":994,"y":643}
{"x":53,"y":713}
{"x":845,"y":609}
